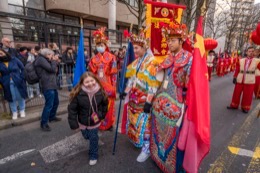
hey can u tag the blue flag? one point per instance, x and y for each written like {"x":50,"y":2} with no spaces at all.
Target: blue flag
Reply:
{"x":129,"y":58}
{"x":80,"y":62}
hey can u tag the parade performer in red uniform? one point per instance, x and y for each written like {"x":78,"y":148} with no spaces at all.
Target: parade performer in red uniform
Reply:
{"x":210,"y":60}
{"x":226,"y":64}
{"x":257,"y":75}
{"x":229,"y":63}
{"x":234,"y":60}
{"x":244,"y":78}
{"x":221,"y":67}
{"x":104,"y":66}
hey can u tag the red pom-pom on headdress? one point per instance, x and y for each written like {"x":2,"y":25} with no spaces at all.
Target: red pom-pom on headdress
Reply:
{"x":126,"y":34}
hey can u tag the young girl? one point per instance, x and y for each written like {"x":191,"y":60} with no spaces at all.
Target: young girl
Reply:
{"x":88,"y":107}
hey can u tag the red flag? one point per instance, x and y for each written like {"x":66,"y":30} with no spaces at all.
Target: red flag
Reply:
{"x":195,"y":134}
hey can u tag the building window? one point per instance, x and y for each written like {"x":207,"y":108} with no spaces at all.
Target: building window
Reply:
{"x":16,"y":2}
{"x":34,"y":13}
{"x":16,"y":9}
{"x":36,"y":4}
{"x":132,"y":3}
{"x":54,"y":16}
{"x":89,"y":23}
{"x":71,"y":20}
{"x":101,"y":24}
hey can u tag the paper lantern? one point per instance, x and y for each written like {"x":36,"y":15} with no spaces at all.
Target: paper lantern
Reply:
{"x":255,"y":38}
{"x":258,"y":30}
{"x":210,"y":43}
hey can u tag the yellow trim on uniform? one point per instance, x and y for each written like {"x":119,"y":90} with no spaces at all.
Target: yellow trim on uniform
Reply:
{"x":155,"y":19}
{"x":148,"y":20}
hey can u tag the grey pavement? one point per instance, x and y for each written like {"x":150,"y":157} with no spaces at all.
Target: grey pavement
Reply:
{"x":26,"y":149}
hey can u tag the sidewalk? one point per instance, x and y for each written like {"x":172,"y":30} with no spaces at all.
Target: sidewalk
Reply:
{"x":32,"y":114}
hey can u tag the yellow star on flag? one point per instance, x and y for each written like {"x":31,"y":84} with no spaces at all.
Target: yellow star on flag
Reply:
{"x":200,"y":45}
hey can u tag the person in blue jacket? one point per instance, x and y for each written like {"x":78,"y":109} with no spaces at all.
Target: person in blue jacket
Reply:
{"x":13,"y":82}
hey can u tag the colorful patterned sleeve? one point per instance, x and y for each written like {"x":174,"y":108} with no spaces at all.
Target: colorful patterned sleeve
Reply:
{"x":150,"y":73}
{"x":129,"y":84}
{"x":130,"y":74}
{"x":114,"y":72}
{"x":131,"y":69}
{"x":150,"y":77}
{"x":187,"y":68}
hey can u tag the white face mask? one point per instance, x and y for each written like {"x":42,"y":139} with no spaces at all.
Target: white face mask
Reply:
{"x":101,"y":49}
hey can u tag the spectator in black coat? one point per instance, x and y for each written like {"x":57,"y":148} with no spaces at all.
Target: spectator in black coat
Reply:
{"x":23,"y":55}
{"x":46,"y":68}
{"x":69,"y":60}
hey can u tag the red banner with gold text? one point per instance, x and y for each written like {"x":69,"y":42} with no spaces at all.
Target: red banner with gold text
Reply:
{"x":160,"y":12}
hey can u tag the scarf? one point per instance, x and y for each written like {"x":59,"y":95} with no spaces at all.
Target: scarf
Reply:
{"x":5,"y":58}
{"x":91,"y":92}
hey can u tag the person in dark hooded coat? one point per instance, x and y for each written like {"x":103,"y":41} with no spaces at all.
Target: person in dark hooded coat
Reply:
{"x":12,"y":80}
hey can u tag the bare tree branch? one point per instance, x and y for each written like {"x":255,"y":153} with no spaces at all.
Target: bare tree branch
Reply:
{"x":126,"y":2}
{"x":137,"y":9}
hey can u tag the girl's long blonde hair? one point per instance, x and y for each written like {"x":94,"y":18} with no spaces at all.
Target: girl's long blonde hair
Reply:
{"x":75,"y":91}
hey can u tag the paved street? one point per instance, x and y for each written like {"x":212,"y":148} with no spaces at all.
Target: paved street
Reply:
{"x":235,"y":144}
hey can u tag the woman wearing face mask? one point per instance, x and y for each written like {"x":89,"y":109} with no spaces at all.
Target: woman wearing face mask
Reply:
{"x":13,"y":82}
{"x":104,"y":66}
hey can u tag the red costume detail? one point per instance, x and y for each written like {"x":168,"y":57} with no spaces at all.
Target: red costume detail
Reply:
{"x":105,"y":68}
{"x":247,"y":89}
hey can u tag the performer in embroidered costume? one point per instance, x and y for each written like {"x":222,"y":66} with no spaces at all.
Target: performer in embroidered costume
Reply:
{"x":210,"y":60}
{"x":104,"y":66}
{"x":169,"y":102}
{"x":141,"y":87}
{"x":244,"y":80}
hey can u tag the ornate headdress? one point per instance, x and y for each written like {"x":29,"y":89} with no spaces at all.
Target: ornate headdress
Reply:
{"x":174,"y":30}
{"x":139,"y":39}
{"x":100,"y":37}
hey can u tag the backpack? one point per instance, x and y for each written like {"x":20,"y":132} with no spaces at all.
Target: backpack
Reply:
{"x":30,"y":73}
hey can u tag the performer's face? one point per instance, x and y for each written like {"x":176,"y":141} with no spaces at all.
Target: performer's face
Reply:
{"x":139,"y":51}
{"x":211,"y":54}
{"x":256,"y":52}
{"x":174,"y":44}
{"x":101,"y":47}
{"x":250,"y":52}
{"x":89,"y":82}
